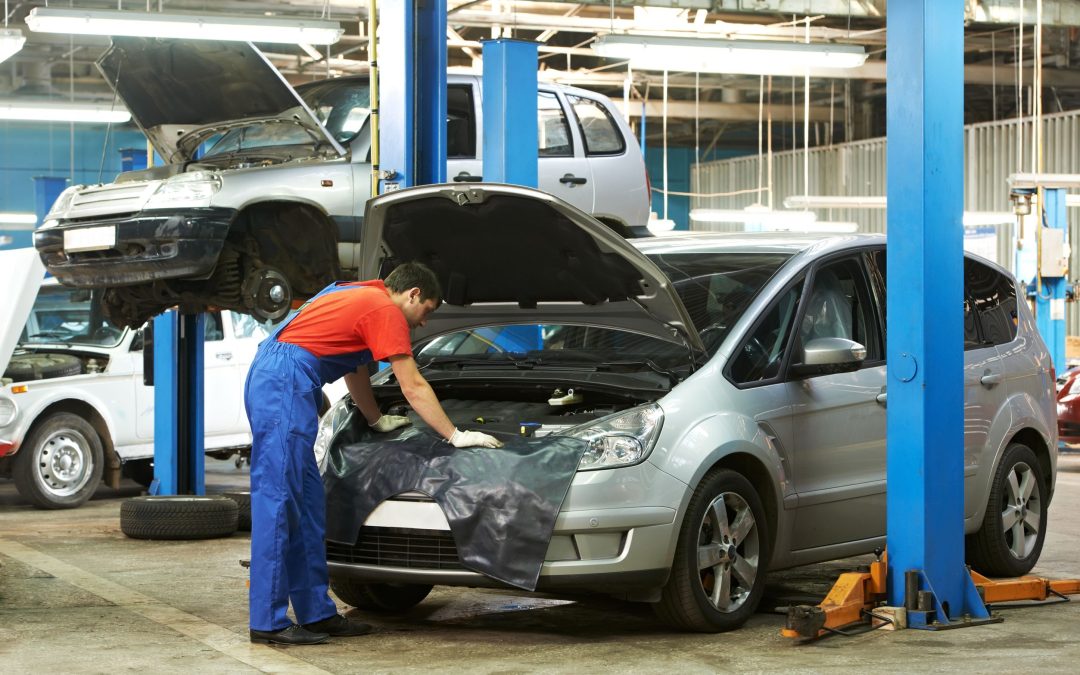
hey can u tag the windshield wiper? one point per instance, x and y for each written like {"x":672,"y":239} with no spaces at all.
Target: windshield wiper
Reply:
{"x":63,"y":338}
{"x":637,"y":364}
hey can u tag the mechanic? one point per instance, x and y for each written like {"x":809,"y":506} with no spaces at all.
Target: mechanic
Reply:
{"x":335,"y":334}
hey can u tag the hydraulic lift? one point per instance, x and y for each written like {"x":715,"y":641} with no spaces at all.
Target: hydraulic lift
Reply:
{"x":922,"y":582}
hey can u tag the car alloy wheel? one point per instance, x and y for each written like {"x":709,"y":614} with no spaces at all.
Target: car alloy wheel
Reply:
{"x":718,"y":572}
{"x":1014,"y":526}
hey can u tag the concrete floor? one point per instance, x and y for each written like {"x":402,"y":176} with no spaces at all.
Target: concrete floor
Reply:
{"x":78,"y":596}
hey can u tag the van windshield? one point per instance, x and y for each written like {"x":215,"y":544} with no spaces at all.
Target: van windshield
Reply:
{"x":71,"y":316}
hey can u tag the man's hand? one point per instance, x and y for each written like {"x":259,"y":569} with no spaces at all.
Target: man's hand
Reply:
{"x":472,"y":439}
{"x":389,"y":423}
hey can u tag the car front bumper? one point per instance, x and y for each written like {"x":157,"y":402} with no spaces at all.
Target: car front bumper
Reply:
{"x":604,"y":540}
{"x":147,"y":246}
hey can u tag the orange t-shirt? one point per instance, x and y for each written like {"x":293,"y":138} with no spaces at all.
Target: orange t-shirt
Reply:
{"x":360,"y":318}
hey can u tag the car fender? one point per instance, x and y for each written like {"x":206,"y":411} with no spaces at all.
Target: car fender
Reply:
{"x":45,"y":394}
{"x":1018,"y":412}
{"x":324,"y":185}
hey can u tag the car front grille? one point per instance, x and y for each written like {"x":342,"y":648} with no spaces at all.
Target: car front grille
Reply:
{"x":1068,"y":428}
{"x":395,"y":547}
{"x":114,"y":199}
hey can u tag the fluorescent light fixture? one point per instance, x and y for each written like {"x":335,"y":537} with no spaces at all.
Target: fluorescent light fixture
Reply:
{"x":13,"y":218}
{"x":977,"y":218}
{"x":834,"y":202}
{"x":753,"y":215}
{"x":705,"y":55}
{"x":185,"y":26}
{"x":62,"y":111}
{"x":11,"y":41}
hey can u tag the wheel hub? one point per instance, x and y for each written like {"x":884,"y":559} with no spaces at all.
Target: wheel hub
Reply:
{"x":62,"y":466}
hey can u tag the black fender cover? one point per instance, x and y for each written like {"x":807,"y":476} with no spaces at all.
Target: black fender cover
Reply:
{"x":501,"y":504}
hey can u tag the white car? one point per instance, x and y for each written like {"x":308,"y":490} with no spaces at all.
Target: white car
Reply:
{"x":73,"y":406}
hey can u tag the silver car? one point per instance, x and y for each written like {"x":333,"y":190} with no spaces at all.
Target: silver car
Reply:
{"x":730,"y":389}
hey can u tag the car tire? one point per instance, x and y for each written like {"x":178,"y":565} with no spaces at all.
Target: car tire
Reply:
{"x":1010,"y":540}
{"x":243,"y":509}
{"x":178,"y":517}
{"x":42,"y":367}
{"x":386,"y":598}
{"x":691,"y":600}
{"x":59,"y":464}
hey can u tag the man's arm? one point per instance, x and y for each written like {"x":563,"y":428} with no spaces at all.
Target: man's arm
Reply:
{"x":359,"y":384}
{"x":419,"y":394}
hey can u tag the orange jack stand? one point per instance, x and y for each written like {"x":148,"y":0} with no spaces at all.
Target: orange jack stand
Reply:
{"x":856,"y":594}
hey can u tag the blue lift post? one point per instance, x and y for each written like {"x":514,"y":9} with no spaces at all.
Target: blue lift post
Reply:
{"x":511,"y":147}
{"x":925,"y":89}
{"x":1050,"y":292}
{"x":178,"y":404}
{"x":412,"y":86}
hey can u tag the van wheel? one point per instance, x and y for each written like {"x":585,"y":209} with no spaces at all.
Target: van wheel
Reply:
{"x":1013,"y":530}
{"x":718,"y":574}
{"x":388,"y":598}
{"x":178,"y":517}
{"x":59,"y":464}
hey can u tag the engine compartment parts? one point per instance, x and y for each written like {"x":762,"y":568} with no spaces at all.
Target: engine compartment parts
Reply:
{"x":25,"y":367}
{"x":560,"y":398}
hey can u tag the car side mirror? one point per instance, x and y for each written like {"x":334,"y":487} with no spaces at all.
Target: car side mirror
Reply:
{"x":830,"y":355}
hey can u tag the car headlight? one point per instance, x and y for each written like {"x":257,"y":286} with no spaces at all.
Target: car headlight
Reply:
{"x":331,"y":421}
{"x":8,"y":411}
{"x":619,"y":440}
{"x":187,"y":189}
{"x":60,"y":206}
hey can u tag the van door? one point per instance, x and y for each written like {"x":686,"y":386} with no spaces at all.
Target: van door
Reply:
{"x":620,"y":190}
{"x":564,"y":168}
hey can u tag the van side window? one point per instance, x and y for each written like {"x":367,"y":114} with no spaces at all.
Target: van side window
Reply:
{"x":601,"y":135}
{"x":761,"y":356}
{"x":213,"y":330}
{"x":994,"y":297}
{"x":552,"y":128}
{"x":460,"y":122}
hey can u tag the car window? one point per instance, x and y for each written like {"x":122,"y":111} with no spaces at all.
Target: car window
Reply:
{"x":839,"y":305}
{"x":761,"y":355}
{"x":343,"y":106}
{"x":246,"y":326}
{"x":994,"y":297}
{"x":598,"y":129}
{"x":716,"y":288}
{"x":73,"y":316}
{"x":212,"y":327}
{"x":552,"y":128}
{"x":460,"y":122}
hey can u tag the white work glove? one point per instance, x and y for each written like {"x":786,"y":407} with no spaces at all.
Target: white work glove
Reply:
{"x":389,"y":423}
{"x":472,"y":439}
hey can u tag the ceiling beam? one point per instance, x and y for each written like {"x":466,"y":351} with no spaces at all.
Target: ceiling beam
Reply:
{"x":732,"y":112}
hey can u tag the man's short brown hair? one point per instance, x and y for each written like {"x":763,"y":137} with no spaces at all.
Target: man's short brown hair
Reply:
{"x":415,"y":275}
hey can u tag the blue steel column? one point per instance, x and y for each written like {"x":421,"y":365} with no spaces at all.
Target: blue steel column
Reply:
{"x":925,"y":88}
{"x":412,"y":92}
{"x":1050,"y":301}
{"x":510,"y":127}
{"x":178,"y":404}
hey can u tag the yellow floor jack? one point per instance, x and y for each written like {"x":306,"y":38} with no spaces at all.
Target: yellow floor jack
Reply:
{"x":858,"y":598}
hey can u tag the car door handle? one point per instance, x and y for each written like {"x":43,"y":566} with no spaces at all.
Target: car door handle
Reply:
{"x":571,"y":179}
{"x":990,"y":380}
{"x":466,"y":177}
{"x":882,"y":398}
{"x":224,"y":356}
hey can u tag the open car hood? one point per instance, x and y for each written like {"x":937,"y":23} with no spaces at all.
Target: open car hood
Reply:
{"x":181,"y":92}
{"x":507,"y":254}
{"x":21,"y":274}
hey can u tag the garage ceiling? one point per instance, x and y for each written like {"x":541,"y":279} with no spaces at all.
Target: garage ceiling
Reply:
{"x":706,"y":110}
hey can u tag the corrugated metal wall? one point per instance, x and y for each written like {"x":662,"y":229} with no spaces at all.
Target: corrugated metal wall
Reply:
{"x":858,"y":169}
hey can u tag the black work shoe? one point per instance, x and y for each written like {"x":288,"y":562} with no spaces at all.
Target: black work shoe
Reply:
{"x":339,"y":626}
{"x":292,"y":635}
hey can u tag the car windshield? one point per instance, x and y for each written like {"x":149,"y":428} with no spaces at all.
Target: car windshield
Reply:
{"x":555,"y":345}
{"x":70,"y":316}
{"x":717,"y":287}
{"x":342,"y":105}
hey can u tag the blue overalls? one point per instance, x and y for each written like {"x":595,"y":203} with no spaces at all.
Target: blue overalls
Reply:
{"x":288,"y":506}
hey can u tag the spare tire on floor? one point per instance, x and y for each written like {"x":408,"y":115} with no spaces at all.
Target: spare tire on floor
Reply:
{"x":178,"y":517}
{"x":243,"y":509}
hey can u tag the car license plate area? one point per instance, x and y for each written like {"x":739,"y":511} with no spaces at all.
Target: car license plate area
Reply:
{"x":89,"y":239}
{"x":409,"y":515}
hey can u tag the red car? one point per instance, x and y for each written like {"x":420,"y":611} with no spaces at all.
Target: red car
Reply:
{"x":1068,"y":406}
